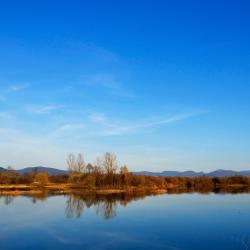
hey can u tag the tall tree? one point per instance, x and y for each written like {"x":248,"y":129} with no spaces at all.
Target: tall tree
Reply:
{"x":109,"y":163}
{"x":124,"y":170}
{"x":71,"y":162}
{"x":80,"y":164}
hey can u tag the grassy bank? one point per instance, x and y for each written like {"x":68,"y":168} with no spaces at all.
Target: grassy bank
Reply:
{"x":18,"y":189}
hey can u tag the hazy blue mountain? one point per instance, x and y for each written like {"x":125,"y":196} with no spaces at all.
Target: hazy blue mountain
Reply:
{"x":217,"y":173}
{"x":50,"y":171}
{"x":189,"y":173}
{"x":171,"y":173}
{"x":2,"y":169}
{"x":227,"y":173}
{"x":223,"y":173}
{"x":245,"y":173}
{"x":185,"y":173}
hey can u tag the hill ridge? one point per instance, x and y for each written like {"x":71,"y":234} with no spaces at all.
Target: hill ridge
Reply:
{"x":166,"y":173}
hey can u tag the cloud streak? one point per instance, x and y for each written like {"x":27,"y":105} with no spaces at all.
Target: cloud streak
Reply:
{"x":107,"y":81}
{"x":11,"y":89}
{"x":119,"y":129}
{"x":19,"y":87}
{"x":97,"y":118}
{"x":104,"y":80}
{"x":71,"y":127}
{"x":46,"y":109}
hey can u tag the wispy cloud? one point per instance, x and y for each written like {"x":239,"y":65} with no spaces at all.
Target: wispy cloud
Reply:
{"x":108,"y":81}
{"x":44,"y":109}
{"x":71,"y":127}
{"x":112,"y":128}
{"x":97,"y":117}
{"x":104,"y":69}
{"x":18,"y":87}
{"x":103,"y":80}
{"x":7,"y":91}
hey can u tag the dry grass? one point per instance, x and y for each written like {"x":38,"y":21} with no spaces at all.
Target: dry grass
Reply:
{"x":68,"y":188}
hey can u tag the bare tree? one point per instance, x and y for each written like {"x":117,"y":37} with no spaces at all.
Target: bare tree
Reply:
{"x":80,"y":164}
{"x":124,"y":170}
{"x":90,"y":168}
{"x":98,"y":168}
{"x":76,"y":164}
{"x":71,"y":162}
{"x":109,"y":163}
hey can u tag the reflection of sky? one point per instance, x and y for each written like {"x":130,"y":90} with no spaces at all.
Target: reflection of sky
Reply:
{"x":187,"y":221}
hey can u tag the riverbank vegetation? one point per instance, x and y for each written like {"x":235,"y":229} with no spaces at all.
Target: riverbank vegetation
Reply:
{"x":105,"y":176}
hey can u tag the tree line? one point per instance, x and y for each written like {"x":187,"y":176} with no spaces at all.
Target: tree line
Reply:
{"x":106,"y":174}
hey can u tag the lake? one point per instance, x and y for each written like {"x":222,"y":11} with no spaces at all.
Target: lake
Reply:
{"x":169,"y":221}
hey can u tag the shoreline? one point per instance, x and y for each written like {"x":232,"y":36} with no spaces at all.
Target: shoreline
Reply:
{"x":67,"y":188}
{"x":23,"y":189}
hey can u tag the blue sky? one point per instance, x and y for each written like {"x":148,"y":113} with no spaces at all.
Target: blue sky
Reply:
{"x":164,"y":84}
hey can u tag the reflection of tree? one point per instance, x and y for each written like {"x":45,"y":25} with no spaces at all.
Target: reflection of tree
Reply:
{"x":39,"y":196}
{"x":8,"y":199}
{"x":74,"y":206}
{"x":107,"y":209}
{"x":105,"y":205}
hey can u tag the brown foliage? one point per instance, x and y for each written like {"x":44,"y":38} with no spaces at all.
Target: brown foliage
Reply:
{"x":103,"y":175}
{"x":41,"y":178}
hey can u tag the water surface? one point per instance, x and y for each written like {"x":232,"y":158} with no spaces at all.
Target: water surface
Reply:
{"x":171,"y":221}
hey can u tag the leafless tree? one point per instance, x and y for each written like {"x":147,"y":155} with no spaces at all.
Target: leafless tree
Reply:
{"x":124,"y":170}
{"x":109,"y":163}
{"x":98,"y":167}
{"x":80,"y":164}
{"x":76,"y":164}
{"x":71,"y":162}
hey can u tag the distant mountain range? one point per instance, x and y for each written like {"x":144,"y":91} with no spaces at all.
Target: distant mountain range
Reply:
{"x":217,"y":173}
{"x":50,"y":171}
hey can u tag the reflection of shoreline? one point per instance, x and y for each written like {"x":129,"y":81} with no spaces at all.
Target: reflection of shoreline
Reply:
{"x":208,"y":190}
{"x":17,"y":190}
{"x":105,"y":205}
{"x":41,"y":196}
{"x":24,"y":191}
{"x":105,"y":202}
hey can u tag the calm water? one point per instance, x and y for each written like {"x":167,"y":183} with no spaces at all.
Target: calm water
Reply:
{"x":176,"y":221}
